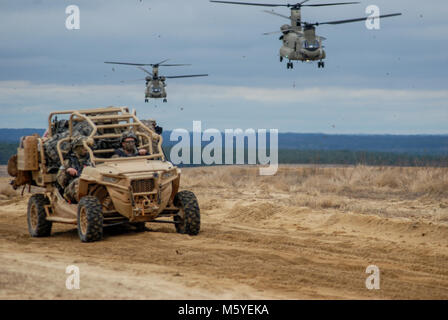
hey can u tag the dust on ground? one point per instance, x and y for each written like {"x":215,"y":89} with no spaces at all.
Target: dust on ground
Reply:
{"x":305,"y":233}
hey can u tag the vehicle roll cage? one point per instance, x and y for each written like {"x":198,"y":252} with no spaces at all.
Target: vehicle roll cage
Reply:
{"x":113,"y":115}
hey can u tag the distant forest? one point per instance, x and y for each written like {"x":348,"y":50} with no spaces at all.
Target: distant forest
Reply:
{"x":349,"y":157}
{"x":396,"y":150}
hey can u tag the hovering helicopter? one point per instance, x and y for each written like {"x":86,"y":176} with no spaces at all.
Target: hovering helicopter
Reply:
{"x":155,"y":84}
{"x":300,"y":41}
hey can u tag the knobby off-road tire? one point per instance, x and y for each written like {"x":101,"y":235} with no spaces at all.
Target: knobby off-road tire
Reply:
{"x":90,"y":219}
{"x":38,"y":225}
{"x":187,"y":202}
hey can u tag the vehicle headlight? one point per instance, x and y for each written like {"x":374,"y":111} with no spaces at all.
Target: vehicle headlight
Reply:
{"x":111,"y":179}
{"x":168,"y":174}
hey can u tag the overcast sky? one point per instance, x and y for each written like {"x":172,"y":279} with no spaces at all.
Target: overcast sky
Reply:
{"x":392,"y":80}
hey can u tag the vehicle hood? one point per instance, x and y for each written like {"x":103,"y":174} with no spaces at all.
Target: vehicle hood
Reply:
{"x":134,"y":166}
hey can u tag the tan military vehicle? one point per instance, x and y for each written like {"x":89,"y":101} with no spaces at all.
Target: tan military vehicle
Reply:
{"x":113,"y":190}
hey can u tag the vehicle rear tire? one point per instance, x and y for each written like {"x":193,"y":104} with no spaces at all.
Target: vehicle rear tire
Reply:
{"x":38,"y":225}
{"x":90,"y":219}
{"x":188,"y":220}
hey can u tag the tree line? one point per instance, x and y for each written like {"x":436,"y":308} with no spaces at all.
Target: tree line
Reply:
{"x":295,"y":156}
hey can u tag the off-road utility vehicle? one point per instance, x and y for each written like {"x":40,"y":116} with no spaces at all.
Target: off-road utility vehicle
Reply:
{"x":112,"y":190}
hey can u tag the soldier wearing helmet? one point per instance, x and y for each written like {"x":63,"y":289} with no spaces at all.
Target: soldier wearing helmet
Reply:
{"x":69,"y":172}
{"x":129,"y":146}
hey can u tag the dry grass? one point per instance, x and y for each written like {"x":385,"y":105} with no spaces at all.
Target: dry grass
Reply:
{"x":7,"y":192}
{"x":386,"y":191}
{"x":347,"y":180}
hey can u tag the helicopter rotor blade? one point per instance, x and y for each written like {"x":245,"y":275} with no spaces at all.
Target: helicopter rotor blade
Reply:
{"x":329,"y":4}
{"x":144,"y":70}
{"x":277,"y":14}
{"x":281,"y":31}
{"x":174,"y":65}
{"x":355,"y":20}
{"x":187,"y":76}
{"x":252,"y":4}
{"x":128,"y":63}
{"x":158,"y":64}
{"x":296,"y":5}
{"x":147,"y":64}
{"x":272,"y":32}
{"x":133,"y":80}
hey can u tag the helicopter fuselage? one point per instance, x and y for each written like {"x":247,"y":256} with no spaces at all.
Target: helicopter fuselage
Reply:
{"x":301,"y":47}
{"x":155,"y":89}
{"x":155,"y":84}
{"x":300,"y":41}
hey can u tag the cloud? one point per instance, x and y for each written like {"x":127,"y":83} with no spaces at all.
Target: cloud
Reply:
{"x":25,"y":91}
{"x":391,"y":80}
{"x":309,"y":109}
{"x":307,"y":95}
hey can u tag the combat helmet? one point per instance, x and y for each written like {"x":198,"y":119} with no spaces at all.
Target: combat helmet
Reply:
{"x":128,"y":134}
{"x":78,"y":144}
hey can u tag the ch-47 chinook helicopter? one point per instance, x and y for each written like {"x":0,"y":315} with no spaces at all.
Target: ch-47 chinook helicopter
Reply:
{"x":155,"y":84}
{"x":300,"y":41}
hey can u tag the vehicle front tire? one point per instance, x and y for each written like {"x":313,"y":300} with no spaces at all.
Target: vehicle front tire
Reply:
{"x":188,"y":220}
{"x":38,"y":225}
{"x":90,"y":219}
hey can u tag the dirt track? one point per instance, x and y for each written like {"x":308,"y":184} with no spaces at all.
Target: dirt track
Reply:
{"x":259,"y":240}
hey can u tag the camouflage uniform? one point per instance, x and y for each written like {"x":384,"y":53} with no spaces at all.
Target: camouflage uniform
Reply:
{"x":120,"y":152}
{"x":68,"y":182}
{"x":60,"y":131}
{"x":152,"y":125}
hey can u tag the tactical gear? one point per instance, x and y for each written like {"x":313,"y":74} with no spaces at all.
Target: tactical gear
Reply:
{"x":50,"y":146}
{"x":78,"y":142}
{"x":71,"y":191}
{"x":78,"y":146}
{"x":12,"y":166}
{"x":65,"y":180}
{"x":128,"y":134}
{"x":122,"y":153}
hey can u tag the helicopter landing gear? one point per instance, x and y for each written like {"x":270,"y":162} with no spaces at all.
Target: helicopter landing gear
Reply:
{"x":146,"y":100}
{"x":321,"y":64}
{"x":289,"y":65}
{"x":281,"y":58}
{"x":164,"y":100}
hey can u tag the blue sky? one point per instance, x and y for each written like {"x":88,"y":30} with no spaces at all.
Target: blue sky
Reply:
{"x":392,"y":80}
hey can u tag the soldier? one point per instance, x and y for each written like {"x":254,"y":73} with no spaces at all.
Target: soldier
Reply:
{"x":128,"y":147}
{"x":68,"y":175}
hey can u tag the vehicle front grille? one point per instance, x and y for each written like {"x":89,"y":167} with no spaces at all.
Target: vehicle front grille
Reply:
{"x":146,"y":185}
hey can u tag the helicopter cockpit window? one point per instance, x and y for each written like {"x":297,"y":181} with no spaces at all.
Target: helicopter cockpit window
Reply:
{"x":310,"y":45}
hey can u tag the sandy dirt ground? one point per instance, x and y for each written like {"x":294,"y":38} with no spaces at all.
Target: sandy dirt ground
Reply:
{"x":305,"y":233}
